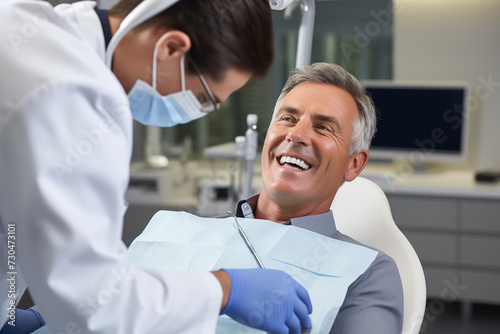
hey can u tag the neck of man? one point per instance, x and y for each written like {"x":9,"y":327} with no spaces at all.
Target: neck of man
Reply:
{"x":283,"y":210}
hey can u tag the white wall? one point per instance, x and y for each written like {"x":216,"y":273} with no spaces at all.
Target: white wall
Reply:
{"x":456,"y":40}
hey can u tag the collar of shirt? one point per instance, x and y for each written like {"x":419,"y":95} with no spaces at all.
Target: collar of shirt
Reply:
{"x":323,"y":223}
{"x":106,"y":28}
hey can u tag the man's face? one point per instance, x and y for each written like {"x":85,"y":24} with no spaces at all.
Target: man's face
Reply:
{"x":314,"y":124}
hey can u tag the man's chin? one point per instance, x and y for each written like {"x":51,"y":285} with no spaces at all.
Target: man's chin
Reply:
{"x":290,"y":195}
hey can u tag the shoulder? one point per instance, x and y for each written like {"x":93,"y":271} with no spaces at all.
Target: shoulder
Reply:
{"x":382,"y":268}
{"x":43,"y":50}
{"x":378,"y":292}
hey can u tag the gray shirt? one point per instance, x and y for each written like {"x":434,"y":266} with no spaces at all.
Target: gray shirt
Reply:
{"x":374,"y":302}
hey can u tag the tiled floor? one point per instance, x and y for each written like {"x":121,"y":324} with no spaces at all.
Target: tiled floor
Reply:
{"x":447,"y":319}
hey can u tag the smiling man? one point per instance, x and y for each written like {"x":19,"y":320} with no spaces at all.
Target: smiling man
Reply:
{"x":319,"y":137}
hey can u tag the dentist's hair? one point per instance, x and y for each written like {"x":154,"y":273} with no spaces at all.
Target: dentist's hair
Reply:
{"x":365,"y":124}
{"x":225,"y":34}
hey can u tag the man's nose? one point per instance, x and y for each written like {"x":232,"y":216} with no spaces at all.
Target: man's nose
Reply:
{"x":300,"y":133}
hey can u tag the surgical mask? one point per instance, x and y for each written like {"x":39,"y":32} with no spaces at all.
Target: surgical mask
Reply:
{"x":149,"y":107}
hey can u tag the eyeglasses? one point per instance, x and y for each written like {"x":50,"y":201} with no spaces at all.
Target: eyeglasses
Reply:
{"x":207,"y":106}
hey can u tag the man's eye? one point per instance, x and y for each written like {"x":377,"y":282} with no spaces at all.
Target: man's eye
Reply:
{"x":287,"y":119}
{"x":325,"y":128}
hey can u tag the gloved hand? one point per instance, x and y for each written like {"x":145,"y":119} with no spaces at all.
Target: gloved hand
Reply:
{"x":269,"y":300}
{"x":26,"y":321}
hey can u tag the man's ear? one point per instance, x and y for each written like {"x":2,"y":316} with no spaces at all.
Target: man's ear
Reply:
{"x":356,"y":165}
{"x":172,"y":43}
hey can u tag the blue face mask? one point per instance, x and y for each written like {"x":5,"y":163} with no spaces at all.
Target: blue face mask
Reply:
{"x":149,"y":107}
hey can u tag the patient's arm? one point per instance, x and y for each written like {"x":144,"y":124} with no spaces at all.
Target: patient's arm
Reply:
{"x":374,"y":302}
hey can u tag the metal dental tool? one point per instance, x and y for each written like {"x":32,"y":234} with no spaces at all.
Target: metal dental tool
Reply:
{"x":246,"y":240}
{"x":304,"y":331}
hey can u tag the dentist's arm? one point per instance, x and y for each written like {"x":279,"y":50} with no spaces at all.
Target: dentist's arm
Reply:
{"x":225,"y":283}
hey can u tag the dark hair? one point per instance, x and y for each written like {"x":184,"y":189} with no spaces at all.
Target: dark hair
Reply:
{"x":224,"y":34}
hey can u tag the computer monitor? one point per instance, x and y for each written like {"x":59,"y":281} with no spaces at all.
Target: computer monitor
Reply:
{"x":420,"y":122}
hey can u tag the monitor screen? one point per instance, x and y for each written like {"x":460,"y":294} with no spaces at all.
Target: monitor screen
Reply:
{"x":419,"y":121}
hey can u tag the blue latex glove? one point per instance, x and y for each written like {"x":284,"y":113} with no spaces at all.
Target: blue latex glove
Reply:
{"x":269,"y":300}
{"x":26,"y":321}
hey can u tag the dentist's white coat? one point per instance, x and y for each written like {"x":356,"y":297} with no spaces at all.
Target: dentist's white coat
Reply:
{"x":65,"y":146}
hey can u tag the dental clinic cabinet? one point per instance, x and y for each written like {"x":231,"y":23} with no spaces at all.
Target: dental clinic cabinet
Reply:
{"x":453,"y":223}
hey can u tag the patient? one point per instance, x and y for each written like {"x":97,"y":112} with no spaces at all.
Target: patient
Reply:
{"x":319,"y":136}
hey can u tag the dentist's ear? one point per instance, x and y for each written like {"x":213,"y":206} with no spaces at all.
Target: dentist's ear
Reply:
{"x":356,"y":165}
{"x":172,"y":44}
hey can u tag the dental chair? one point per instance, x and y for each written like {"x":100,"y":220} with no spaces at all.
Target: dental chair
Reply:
{"x":362,"y":211}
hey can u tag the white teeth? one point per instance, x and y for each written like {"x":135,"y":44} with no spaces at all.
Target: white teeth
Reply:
{"x":286,"y":159}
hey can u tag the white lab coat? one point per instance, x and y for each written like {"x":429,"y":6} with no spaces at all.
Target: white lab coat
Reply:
{"x":65,"y":147}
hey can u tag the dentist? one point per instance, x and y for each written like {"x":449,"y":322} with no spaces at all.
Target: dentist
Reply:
{"x":73,"y":77}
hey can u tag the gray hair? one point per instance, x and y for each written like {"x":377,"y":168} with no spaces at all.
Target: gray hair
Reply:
{"x":365,"y":125}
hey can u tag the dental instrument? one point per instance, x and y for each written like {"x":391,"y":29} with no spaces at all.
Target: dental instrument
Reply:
{"x":249,"y":244}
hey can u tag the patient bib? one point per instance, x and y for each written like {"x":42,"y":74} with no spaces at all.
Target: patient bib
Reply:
{"x":179,"y":241}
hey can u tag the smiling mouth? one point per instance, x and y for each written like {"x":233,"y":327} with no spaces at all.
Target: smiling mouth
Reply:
{"x":294,"y":163}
